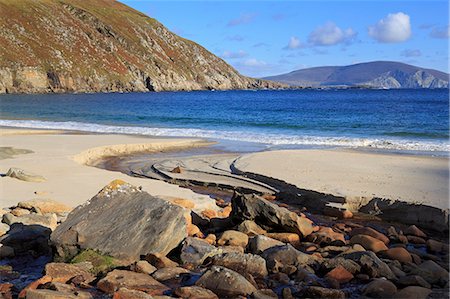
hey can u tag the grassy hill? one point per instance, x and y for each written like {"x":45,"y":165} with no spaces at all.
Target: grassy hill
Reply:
{"x":102,"y":46}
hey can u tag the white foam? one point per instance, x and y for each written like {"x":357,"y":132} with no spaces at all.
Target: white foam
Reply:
{"x":246,"y":136}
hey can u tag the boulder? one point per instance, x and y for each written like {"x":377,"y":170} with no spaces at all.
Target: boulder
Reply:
{"x":281,"y":256}
{"x":169,"y":273}
{"x":430,"y":271}
{"x":6,"y":251}
{"x":143,"y":267}
{"x":50,"y":294}
{"x":117,"y":279}
{"x":290,"y":238}
{"x":268,"y":215}
{"x":326,"y":236}
{"x":320,"y":292}
{"x":397,"y":253}
{"x":23,"y":175}
{"x":44,"y":206}
{"x":432,"y":246}
{"x":368,"y":242}
{"x":416,"y":240}
{"x":258,"y":244}
{"x":413,"y":280}
{"x":225,"y":282}
{"x":337,"y":262}
{"x":24,"y":238}
{"x":194,"y":292}
{"x":122,"y":221}
{"x":414,"y":231}
{"x":242,"y":263}
{"x":48,"y":220}
{"x":250,"y":228}
{"x":19,"y":212}
{"x":233,"y":238}
{"x":160,"y":261}
{"x":61,"y":272}
{"x":124,"y":293}
{"x":370,"y":232}
{"x":380,"y":288}
{"x":340,"y":274}
{"x":194,"y":251}
{"x":370,"y":264}
{"x":4,"y":228}
{"x":264,"y":294}
{"x":413,"y":292}
{"x":101,"y":264}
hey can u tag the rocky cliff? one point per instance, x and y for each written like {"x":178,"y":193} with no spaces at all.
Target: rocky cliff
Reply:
{"x":102,"y":46}
{"x":376,"y":74}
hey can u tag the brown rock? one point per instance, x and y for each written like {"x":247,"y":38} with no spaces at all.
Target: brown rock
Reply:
{"x":320,"y":292}
{"x":370,"y":232}
{"x":430,"y":271}
{"x":340,"y":274}
{"x":194,"y":292}
{"x":144,"y":267}
{"x":339,"y":213}
{"x":280,"y":257}
{"x":117,"y":279}
{"x":160,"y":261}
{"x":169,"y":273}
{"x":208,"y":213}
{"x":61,"y":272}
{"x":368,"y":242}
{"x":242,"y":263}
{"x":177,"y":169}
{"x":250,"y":228}
{"x":398,"y":253}
{"x":413,"y":280}
{"x":49,"y":294}
{"x":413,"y":292}
{"x":264,"y":294}
{"x":326,"y":236}
{"x":260,"y":243}
{"x":225,"y":283}
{"x":436,"y":246}
{"x":415,"y":231}
{"x":194,"y":231}
{"x":226,"y":211}
{"x":380,"y":288}
{"x":233,"y":238}
{"x":416,"y":240}
{"x":44,"y":206}
{"x":19,"y":212}
{"x":6,"y":290}
{"x":210,"y":239}
{"x":290,"y":238}
{"x":34,"y":285}
{"x":124,"y":293}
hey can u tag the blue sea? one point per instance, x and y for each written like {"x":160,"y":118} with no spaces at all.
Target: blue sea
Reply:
{"x":394,"y":120}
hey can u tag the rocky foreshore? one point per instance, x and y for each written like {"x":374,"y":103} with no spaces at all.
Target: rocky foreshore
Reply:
{"x":126,"y":243}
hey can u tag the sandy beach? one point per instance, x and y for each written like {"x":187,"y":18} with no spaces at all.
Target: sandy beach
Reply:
{"x":357,"y":175}
{"x":60,"y":159}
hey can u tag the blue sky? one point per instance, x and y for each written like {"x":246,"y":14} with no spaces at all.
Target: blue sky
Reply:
{"x":262,"y":38}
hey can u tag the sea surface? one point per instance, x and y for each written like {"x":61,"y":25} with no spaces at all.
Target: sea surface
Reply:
{"x":415,"y":120}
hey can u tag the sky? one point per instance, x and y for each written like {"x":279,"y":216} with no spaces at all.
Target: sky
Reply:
{"x":263,"y":38}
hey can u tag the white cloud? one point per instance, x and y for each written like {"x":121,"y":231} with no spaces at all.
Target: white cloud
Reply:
{"x":394,"y":28}
{"x":294,"y":43}
{"x":440,"y":32}
{"x":411,"y":53}
{"x":329,"y":34}
{"x":232,"y":55}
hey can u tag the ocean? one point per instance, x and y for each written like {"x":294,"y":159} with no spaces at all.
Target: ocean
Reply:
{"x":393,"y":120}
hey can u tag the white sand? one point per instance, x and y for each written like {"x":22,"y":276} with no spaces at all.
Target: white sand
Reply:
{"x":57,"y":157}
{"x":355,"y":175}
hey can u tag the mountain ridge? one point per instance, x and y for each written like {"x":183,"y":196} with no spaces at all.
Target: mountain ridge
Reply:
{"x":102,"y":46}
{"x":375,"y":74}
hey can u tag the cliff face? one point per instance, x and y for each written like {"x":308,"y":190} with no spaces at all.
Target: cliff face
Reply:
{"x":102,"y":46}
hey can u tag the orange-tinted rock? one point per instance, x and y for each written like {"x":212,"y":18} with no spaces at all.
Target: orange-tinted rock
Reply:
{"x":210,"y":239}
{"x":124,"y":293}
{"x":339,"y":213}
{"x":117,"y":279}
{"x":398,"y":253}
{"x":269,"y":197}
{"x":291,"y":238}
{"x":177,"y":169}
{"x":34,"y":285}
{"x":415,"y":231}
{"x":208,"y":213}
{"x":62,"y":272}
{"x":326,"y":236}
{"x":368,"y":242}
{"x":370,"y":232}
{"x":160,"y":261}
{"x":340,"y":274}
{"x":182,"y":202}
{"x":194,"y":292}
{"x":226,"y":211}
{"x":6,"y":290}
{"x":194,"y":231}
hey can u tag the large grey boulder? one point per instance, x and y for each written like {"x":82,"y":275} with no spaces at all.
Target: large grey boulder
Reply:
{"x":370,"y":264}
{"x":280,"y":257}
{"x":121,"y":221}
{"x":244,"y":263}
{"x":268,"y":215}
